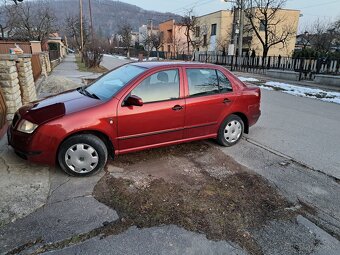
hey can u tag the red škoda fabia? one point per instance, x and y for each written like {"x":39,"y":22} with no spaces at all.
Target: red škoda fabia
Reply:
{"x":134,"y":107}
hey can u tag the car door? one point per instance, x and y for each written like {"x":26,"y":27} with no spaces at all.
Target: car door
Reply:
{"x":209,"y":96}
{"x":160,"y":119}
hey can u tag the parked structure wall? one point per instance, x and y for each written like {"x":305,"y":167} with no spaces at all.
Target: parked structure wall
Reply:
{"x":218,"y":38}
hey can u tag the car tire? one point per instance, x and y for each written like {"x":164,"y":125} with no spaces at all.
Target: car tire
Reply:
{"x":82,"y":155}
{"x":230,"y":131}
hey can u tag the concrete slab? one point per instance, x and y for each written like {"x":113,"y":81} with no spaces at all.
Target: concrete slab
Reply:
{"x":55,"y":222}
{"x":24,"y":186}
{"x":165,"y":240}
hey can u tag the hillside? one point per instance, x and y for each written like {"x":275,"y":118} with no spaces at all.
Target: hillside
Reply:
{"x":109,"y":14}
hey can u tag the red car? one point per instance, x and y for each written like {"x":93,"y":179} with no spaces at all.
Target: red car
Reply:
{"x":134,"y":107}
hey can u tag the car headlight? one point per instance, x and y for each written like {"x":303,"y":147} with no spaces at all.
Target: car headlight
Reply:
{"x":26,"y":126}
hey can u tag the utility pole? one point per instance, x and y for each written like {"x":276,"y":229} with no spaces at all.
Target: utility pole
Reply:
{"x":81,"y":25}
{"x":92,"y":32}
{"x":240,"y":39}
{"x":241,"y":8}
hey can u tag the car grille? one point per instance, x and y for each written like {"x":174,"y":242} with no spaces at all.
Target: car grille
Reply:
{"x":15,"y":119}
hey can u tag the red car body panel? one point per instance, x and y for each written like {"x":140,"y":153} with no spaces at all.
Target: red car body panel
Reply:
{"x":132,"y":128}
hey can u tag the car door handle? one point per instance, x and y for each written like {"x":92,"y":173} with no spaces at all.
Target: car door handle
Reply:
{"x":177,"y":108}
{"x":226,"y":101}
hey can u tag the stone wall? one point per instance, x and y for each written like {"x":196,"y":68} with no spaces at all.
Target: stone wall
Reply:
{"x":9,"y":83}
{"x":26,"y":80}
{"x":16,"y":81}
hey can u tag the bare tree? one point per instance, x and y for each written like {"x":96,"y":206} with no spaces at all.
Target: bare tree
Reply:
{"x":72,"y":30}
{"x":264,"y":19}
{"x":126,"y":38}
{"x":322,"y":36}
{"x":33,"y":21}
{"x":157,"y":41}
{"x":7,"y":18}
{"x":146,"y":41}
{"x":190,"y":23}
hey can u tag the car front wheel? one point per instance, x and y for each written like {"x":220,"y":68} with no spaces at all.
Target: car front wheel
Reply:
{"x":231,"y":131}
{"x":82,"y":155}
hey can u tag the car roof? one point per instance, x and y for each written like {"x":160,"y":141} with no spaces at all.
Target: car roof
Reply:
{"x":153,"y":64}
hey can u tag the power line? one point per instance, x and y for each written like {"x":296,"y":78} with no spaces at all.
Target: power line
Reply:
{"x":323,"y":4}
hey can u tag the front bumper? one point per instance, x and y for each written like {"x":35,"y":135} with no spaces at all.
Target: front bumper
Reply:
{"x":27,"y":146}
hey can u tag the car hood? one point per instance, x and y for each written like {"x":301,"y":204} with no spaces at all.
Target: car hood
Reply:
{"x":57,"y":106}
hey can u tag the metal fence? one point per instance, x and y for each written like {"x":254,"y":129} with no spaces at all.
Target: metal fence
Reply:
{"x":306,"y":67}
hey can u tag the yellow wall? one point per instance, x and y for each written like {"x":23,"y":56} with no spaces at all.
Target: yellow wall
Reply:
{"x":224,"y":20}
{"x":290,"y":20}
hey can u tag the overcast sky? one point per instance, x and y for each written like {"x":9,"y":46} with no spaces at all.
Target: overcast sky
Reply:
{"x":328,"y":10}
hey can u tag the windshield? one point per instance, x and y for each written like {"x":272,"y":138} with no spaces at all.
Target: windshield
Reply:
{"x":108,"y":85}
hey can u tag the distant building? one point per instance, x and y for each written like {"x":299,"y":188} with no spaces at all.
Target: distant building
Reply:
{"x":145,"y":31}
{"x":286,"y":19}
{"x":214,"y":31}
{"x":218,"y":32}
{"x":174,"y":38}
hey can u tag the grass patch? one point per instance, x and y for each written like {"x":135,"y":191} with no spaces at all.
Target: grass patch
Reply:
{"x":83,"y":68}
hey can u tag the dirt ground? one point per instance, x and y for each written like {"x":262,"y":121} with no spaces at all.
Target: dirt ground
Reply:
{"x":194,"y":186}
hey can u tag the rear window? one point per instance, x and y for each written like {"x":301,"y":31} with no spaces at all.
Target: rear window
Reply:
{"x":207,"y":82}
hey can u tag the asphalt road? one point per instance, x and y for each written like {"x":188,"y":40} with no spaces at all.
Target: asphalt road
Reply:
{"x":304,"y":129}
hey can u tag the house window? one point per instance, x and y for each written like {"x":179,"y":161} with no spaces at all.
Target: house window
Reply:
{"x":204,"y":40}
{"x":197,"y":31}
{"x":262,"y":25}
{"x":213,"y":29}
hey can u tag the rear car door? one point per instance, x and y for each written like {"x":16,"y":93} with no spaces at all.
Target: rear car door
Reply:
{"x":161,"y":118}
{"x":209,"y":96}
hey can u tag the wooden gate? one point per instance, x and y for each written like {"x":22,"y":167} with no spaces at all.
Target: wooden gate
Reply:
{"x":3,"y":113}
{"x":36,"y":66}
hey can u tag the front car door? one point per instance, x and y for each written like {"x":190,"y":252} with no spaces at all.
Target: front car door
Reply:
{"x":209,"y":96}
{"x":161,"y":118}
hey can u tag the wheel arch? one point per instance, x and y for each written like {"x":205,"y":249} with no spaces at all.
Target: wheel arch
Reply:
{"x":102,"y":136}
{"x":244,"y":119}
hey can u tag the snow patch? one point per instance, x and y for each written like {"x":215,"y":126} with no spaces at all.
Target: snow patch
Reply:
{"x":249,"y":79}
{"x":326,"y":96}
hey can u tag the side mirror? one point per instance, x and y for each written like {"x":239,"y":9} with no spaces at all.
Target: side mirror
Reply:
{"x":134,"y":100}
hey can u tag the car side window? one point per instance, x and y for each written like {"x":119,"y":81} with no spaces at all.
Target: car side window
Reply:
{"x":224,"y":83}
{"x":161,"y":86}
{"x":202,"y":82}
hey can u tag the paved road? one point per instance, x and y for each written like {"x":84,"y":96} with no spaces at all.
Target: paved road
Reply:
{"x":111,"y":62}
{"x":307,"y":130}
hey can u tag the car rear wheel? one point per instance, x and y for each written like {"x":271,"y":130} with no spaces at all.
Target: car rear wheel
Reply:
{"x":231,"y":131}
{"x":82,"y":155}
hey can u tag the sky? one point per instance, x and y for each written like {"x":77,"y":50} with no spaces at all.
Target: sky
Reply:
{"x":328,"y":10}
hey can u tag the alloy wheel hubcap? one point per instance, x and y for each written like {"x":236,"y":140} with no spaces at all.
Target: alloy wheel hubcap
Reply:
{"x":233,"y":131}
{"x":81,"y":158}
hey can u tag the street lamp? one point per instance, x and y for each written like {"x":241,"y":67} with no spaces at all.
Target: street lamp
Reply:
{"x":240,"y":4}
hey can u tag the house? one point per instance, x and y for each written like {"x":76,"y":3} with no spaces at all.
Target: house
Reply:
{"x":145,"y":31}
{"x":214,"y":31}
{"x":218,"y":32}
{"x":174,"y":38}
{"x":285,"y":20}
